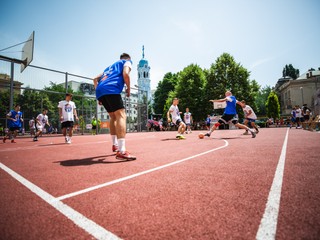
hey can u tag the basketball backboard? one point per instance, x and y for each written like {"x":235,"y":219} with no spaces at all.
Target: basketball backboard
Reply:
{"x":27,"y":52}
{"x":219,"y":105}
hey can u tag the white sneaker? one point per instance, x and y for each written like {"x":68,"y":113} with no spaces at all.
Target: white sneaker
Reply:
{"x":69,"y":140}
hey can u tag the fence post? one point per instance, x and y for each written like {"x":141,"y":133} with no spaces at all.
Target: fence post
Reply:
{"x":11,"y":85}
{"x":66,"y":83}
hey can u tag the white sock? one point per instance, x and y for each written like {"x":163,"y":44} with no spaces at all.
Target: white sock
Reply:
{"x":114,"y":140}
{"x":122,"y":145}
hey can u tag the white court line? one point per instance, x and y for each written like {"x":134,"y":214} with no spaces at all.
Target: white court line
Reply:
{"x":81,"y":221}
{"x":138,"y":174}
{"x":268,"y":225}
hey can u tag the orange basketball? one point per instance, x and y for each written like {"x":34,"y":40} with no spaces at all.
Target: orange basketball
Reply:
{"x":201,"y":135}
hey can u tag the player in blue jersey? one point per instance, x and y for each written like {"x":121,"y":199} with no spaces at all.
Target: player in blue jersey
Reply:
{"x":15,"y":120}
{"x":230,"y":114}
{"x":109,"y":86}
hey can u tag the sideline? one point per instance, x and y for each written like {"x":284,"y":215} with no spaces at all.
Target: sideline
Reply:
{"x":268,"y":225}
{"x":138,"y":174}
{"x":77,"y":218}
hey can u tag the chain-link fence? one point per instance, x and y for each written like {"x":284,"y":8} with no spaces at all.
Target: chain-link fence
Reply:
{"x":38,"y":88}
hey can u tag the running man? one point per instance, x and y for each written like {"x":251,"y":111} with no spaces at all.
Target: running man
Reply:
{"x":188,"y":119}
{"x":250,"y":117}
{"x":67,"y":112}
{"x":42,"y":120}
{"x":32,"y":125}
{"x":230,"y":113}
{"x":15,"y":121}
{"x":109,"y":86}
{"x":176,"y":119}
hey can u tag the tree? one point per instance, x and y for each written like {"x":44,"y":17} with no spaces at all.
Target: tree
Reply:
{"x":225,"y":74}
{"x":273,"y":105}
{"x":290,"y":71}
{"x":261,"y":100}
{"x":162,"y":92}
{"x":190,"y":91}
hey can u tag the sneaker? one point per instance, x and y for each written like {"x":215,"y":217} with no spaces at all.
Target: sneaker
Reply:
{"x":13,"y":141}
{"x":4,"y":139}
{"x":178,"y":135}
{"x":257,"y":132}
{"x":66,"y":139}
{"x":181,"y":137}
{"x":246,"y":133}
{"x":207,"y":134}
{"x":69,"y":141}
{"x":253,"y":134}
{"x":125,"y":156}
{"x":35,"y":139}
{"x":115,"y":148}
{"x":186,"y":132}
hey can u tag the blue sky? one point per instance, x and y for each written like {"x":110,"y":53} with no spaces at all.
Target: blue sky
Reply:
{"x":83,"y":37}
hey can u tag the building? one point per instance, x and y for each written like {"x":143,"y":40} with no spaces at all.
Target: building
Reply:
{"x":144,"y":78}
{"x":5,"y":84}
{"x":303,"y":90}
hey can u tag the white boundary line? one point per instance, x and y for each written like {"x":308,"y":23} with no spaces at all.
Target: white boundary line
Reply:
{"x":268,"y":225}
{"x":81,"y":221}
{"x":138,"y":174}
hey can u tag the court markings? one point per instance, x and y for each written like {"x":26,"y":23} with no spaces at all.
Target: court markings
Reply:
{"x":268,"y":225}
{"x":139,"y":174}
{"x":81,"y":221}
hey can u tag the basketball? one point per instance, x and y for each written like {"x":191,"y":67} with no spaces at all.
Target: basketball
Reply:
{"x":201,"y":135}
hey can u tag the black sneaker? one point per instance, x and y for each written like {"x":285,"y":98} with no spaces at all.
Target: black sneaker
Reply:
{"x":207,"y":134}
{"x":35,"y":139}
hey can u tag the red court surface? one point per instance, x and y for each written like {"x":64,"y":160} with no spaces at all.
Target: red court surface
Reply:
{"x":228,"y":186}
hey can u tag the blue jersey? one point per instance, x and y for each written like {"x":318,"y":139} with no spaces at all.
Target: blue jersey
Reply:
{"x":17,"y":116}
{"x":111,"y":81}
{"x":231,"y":106}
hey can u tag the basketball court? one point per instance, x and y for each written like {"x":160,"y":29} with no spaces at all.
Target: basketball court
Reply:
{"x":229,"y":186}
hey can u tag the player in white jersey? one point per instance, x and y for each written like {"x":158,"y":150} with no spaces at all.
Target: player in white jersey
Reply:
{"x":249,"y":117}
{"x":188,"y":119}
{"x":42,"y":119}
{"x":67,"y":112}
{"x":176,"y":119}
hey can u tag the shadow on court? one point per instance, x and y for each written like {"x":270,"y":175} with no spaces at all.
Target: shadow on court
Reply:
{"x":91,"y":161}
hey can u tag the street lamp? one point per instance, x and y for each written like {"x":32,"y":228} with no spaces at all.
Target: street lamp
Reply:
{"x":301,"y":88}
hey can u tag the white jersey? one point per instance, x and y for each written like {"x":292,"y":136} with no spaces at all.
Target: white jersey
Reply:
{"x":175,"y":114}
{"x":32,"y":124}
{"x":187,"y":117}
{"x":298,"y":113}
{"x":67,"y":110}
{"x":43,"y":119}
{"x":252,"y":115}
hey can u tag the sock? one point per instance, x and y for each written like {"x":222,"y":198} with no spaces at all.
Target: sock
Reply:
{"x":114,"y":140}
{"x":122,"y":145}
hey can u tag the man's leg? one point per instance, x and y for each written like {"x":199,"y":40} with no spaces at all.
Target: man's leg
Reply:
{"x":113,"y":133}
{"x":245,"y":127}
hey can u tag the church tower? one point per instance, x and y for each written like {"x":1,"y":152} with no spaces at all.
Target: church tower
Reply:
{"x":144,"y":78}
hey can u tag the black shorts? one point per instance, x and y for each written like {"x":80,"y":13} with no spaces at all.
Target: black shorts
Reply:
{"x":112,"y":102}
{"x":94,"y":127}
{"x":12,"y":129}
{"x":67,"y":124}
{"x":227,"y":117}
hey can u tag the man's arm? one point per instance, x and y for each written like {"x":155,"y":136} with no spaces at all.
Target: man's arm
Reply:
{"x":219,"y":100}
{"x":75,"y":114}
{"x":126,"y":77}
{"x":95,"y":80}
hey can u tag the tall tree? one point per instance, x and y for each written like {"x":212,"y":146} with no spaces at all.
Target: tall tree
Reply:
{"x":273,"y":105}
{"x":227,"y":74}
{"x":290,"y":71}
{"x":162,"y":92}
{"x":190,"y":91}
{"x":261,"y":100}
